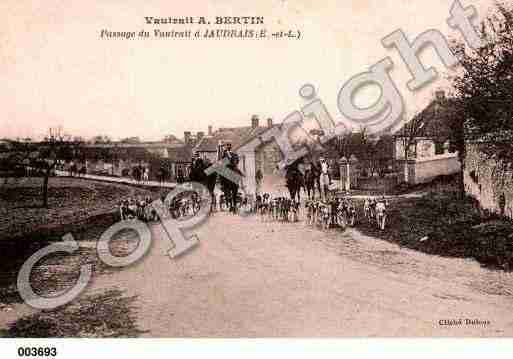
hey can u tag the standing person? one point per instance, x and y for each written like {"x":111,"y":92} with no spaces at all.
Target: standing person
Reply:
{"x":324,"y":178}
{"x":502,"y":204}
{"x":146,"y":174}
{"x":316,"y":173}
{"x":122,"y":210}
{"x":179,"y":175}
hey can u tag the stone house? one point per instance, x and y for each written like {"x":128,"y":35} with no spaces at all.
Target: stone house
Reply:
{"x":430,"y":153}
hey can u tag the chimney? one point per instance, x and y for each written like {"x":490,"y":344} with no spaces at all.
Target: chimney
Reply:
{"x":254,"y":121}
{"x":199,"y":136}
{"x":187,"y":137}
{"x":210,"y":130}
{"x":269,"y":122}
{"x":440,"y":95}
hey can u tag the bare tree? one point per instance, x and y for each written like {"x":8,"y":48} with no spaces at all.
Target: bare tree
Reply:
{"x":41,"y":159}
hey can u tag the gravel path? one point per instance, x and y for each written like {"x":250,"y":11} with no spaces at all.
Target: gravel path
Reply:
{"x":249,"y":278}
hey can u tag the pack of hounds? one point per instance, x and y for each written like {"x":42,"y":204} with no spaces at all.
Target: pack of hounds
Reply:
{"x":334,"y":212}
{"x":141,"y":208}
{"x":278,"y":208}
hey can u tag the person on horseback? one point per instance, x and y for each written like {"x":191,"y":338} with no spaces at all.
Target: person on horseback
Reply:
{"x":197,"y":169}
{"x":230,"y":188}
{"x":210,"y":183}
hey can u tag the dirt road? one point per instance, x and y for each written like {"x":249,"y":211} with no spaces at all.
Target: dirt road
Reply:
{"x":251,"y":278}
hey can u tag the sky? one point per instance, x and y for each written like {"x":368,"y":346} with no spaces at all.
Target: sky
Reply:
{"x":57,"y":71}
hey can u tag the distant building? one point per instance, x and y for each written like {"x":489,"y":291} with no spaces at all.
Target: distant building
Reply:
{"x":431,"y":154}
{"x":119,"y":159}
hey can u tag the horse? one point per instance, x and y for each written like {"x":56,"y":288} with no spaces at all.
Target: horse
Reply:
{"x":229,"y":187}
{"x":294,"y":181}
{"x":210,"y":183}
{"x":309,"y":181}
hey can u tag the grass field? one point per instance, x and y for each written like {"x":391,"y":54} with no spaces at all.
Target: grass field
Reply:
{"x":73,"y":205}
{"x":82,"y":207}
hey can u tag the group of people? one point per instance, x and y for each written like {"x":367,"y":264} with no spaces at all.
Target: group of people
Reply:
{"x":141,"y":174}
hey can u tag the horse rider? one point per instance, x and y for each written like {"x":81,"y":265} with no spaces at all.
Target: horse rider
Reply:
{"x":233,"y":160}
{"x":198,"y":167}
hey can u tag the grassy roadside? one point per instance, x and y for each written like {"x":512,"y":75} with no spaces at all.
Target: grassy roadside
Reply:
{"x":440,"y":223}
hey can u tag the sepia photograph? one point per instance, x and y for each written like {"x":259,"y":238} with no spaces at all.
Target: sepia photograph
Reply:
{"x":272,"y":169}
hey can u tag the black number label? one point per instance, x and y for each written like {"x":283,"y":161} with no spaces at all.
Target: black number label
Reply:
{"x":37,"y":352}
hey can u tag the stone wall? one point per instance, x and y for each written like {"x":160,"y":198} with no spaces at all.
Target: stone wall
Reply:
{"x":422,"y":170}
{"x":486,"y":180}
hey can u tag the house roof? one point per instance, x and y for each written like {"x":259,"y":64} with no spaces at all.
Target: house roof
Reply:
{"x":235,"y":135}
{"x":433,"y":120}
{"x":158,"y":144}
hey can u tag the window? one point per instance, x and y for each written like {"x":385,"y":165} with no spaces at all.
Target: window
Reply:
{"x":439,"y":148}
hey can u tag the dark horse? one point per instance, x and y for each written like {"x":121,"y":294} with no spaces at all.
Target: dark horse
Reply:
{"x":210,"y":183}
{"x":310,"y":179}
{"x":199,"y":175}
{"x":294,"y":181}
{"x":229,"y":187}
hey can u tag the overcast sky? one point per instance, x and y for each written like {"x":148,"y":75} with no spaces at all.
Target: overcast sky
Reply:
{"x":55,"y":69}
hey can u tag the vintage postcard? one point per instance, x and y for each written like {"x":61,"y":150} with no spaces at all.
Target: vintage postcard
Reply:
{"x":234,"y":169}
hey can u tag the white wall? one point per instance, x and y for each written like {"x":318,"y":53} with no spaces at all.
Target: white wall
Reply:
{"x":426,"y":169}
